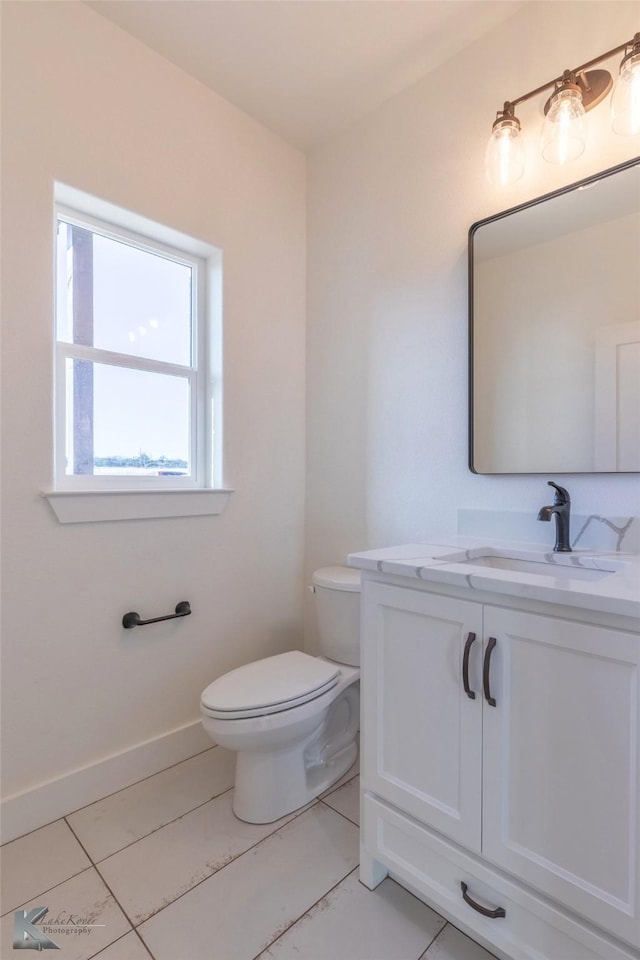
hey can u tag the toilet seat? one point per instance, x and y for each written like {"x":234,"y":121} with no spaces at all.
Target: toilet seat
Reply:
{"x":268,"y":686}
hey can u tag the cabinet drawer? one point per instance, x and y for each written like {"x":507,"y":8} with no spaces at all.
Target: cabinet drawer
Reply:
{"x":531,"y":928}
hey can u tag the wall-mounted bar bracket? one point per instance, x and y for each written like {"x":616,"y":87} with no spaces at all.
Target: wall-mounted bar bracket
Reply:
{"x":132,"y":619}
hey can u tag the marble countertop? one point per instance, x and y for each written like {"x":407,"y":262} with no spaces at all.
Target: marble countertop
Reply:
{"x":452,"y":562}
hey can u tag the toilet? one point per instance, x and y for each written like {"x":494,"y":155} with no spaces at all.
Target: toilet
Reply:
{"x":293,"y":718}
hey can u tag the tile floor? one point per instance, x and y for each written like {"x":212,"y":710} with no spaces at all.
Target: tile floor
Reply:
{"x":164,"y":870}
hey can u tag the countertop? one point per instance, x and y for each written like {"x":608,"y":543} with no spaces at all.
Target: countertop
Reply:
{"x":452,"y":562}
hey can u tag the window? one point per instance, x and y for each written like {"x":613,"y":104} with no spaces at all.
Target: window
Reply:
{"x":137,"y":383}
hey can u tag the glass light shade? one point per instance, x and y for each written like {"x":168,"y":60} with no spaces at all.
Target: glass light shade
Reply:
{"x":625,"y":103}
{"x":564,"y":133}
{"x":504,"y":157}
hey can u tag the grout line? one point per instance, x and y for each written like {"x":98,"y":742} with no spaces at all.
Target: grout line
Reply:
{"x":162,"y":825}
{"x":204,"y":803}
{"x":29,"y":832}
{"x":49,"y":889}
{"x":141,"y":780}
{"x":433,"y":940}
{"x":340,"y":782}
{"x":348,"y":819}
{"x":35,"y":829}
{"x":94,"y":864}
{"x":490,"y":955}
{"x":96,"y":956}
{"x":308,"y":910}
{"x":213,"y":874}
{"x":102,"y":949}
{"x":137,"y":933}
{"x":445,"y":923}
{"x":95,"y":867}
{"x":70,"y":813}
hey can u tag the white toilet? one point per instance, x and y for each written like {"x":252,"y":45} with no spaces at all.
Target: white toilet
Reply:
{"x":293,"y":718}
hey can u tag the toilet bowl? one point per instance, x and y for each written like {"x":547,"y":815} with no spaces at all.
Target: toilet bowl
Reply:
{"x":292,"y":718}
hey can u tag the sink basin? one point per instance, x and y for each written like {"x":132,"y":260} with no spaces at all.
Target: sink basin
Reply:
{"x":560,"y":571}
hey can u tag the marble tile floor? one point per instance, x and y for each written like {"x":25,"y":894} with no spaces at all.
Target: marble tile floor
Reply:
{"x":164,"y":870}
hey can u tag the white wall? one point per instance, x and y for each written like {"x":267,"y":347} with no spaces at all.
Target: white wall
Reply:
{"x":87,"y":105}
{"x":390,"y":204}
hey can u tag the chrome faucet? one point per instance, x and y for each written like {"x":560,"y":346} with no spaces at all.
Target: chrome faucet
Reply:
{"x":561,"y":509}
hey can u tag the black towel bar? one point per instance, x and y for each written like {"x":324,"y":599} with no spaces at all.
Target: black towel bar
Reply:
{"x":132,"y":619}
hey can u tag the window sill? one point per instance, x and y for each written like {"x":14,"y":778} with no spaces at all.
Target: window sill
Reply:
{"x":90,"y":506}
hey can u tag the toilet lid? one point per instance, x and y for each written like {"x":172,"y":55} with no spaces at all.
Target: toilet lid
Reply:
{"x":338,"y":578}
{"x":269,"y":685}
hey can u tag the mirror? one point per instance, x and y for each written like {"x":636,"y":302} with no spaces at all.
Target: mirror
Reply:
{"x":554,"y":331}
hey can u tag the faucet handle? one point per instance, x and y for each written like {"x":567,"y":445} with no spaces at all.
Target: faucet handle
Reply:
{"x":562,"y":495}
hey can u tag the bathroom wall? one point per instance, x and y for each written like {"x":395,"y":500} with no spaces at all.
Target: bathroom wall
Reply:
{"x":88,"y":105}
{"x":390,"y":204}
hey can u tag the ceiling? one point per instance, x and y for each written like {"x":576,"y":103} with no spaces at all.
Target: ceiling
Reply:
{"x":307,"y":69}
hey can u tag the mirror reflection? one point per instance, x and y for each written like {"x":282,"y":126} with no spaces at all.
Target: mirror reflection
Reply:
{"x":555,"y":331}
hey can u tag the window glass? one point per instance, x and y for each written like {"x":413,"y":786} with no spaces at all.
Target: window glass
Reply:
{"x":122,"y":298}
{"x":126,"y":422}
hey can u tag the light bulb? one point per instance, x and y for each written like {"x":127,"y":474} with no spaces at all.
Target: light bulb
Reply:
{"x":504,"y":157}
{"x":564,"y":133}
{"x":625,"y":103}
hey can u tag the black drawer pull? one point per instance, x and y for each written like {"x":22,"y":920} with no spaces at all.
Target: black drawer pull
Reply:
{"x":485,"y":672}
{"x":465,"y":666}
{"x":492,"y":914}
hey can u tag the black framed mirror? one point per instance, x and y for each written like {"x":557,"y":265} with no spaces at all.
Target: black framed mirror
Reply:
{"x":554,"y":331}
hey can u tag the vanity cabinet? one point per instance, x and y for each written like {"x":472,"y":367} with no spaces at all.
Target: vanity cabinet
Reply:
{"x":500,"y":769}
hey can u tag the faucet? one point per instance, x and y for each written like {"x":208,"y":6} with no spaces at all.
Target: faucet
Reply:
{"x":561,"y":509}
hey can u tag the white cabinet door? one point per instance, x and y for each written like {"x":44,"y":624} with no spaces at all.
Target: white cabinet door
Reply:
{"x":561,"y":762}
{"x":422,"y":734}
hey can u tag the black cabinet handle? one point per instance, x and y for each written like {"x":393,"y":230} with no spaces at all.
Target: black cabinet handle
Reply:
{"x":492,"y":914}
{"x":465,"y":666}
{"x":485,"y":672}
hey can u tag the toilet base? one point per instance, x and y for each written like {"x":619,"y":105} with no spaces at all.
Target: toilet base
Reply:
{"x":266,"y":791}
{"x":270,"y":784}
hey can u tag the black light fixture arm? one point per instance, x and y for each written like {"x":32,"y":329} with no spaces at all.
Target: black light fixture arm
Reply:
{"x":628,"y":45}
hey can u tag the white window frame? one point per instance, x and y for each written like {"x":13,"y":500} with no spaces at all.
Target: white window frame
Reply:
{"x":78,"y":498}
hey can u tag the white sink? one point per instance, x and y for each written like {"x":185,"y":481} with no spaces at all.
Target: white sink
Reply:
{"x":560,"y":571}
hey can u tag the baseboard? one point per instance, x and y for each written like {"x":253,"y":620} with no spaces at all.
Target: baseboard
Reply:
{"x":24,"y":812}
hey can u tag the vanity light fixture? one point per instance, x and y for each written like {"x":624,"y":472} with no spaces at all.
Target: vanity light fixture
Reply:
{"x":625,"y":103}
{"x":504,"y":159}
{"x":564,"y":132}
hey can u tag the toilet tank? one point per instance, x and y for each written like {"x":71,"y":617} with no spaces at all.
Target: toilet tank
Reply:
{"x":337,"y":593}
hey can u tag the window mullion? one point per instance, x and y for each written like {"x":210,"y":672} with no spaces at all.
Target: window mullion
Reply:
{"x":77,"y":351}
